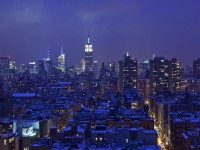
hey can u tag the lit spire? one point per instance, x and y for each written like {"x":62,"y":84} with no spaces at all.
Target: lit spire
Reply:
{"x":88,"y":38}
{"x":127,"y":54}
{"x":48,"y":55}
{"x":154,"y":56}
{"x":61,"y":49}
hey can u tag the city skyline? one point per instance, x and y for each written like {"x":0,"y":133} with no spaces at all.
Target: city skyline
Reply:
{"x":99,"y":75}
{"x":141,"y":28}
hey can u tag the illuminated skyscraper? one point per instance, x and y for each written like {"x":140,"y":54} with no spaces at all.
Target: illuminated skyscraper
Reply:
{"x":164,"y":75}
{"x":159,"y":75}
{"x":175,"y":73}
{"x":127,"y":73}
{"x":61,"y":61}
{"x":89,"y":63}
{"x":82,"y":64}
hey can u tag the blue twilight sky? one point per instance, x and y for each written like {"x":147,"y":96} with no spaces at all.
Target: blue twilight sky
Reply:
{"x":170,"y":28}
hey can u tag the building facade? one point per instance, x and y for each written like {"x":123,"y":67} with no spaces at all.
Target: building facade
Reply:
{"x":61,"y":61}
{"x":89,"y":63}
{"x":127,"y":73}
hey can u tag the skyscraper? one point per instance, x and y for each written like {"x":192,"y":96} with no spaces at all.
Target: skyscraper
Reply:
{"x":196,"y":68}
{"x":96,"y":72}
{"x":175,"y":73}
{"x":143,"y":67}
{"x":159,"y":75}
{"x":4,"y":66}
{"x":48,"y":65}
{"x":32,"y":67}
{"x":89,"y":63}
{"x":41,"y":69}
{"x":164,"y":75}
{"x":61,"y":61}
{"x":127,"y":73}
{"x":82,"y":64}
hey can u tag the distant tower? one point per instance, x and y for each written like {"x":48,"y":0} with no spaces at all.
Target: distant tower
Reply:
{"x":82,"y":63}
{"x":5,"y":65}
{"x":89,"y":63}
{"x":61,"y":61}
{"x":41,"y":68}
{"x":196,"y":68}
{"x":96,"y":72}
{"x":48,"y":65}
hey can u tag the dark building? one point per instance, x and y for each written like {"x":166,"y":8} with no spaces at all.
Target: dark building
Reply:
{"x":188,"y":72}
{"x":49,"y":66}
{"x":144,"y":88}
{"x":1,"y":88}
{"x":127,"y":73}
{"x":41,"y":69}
{"x":4,"y":66}
{"x":196,"y":68}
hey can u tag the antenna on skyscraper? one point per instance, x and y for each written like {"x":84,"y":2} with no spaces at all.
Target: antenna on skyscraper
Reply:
{"x":154,"y":56}
{"x":127,"y":54}
{"x":61,"y":49}
{"x":88,"y":38}
{"x":48,"y":55}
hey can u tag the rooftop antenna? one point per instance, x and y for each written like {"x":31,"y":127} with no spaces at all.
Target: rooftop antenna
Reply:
{"x":88,"y":38}
{"x":61,"y":49}
{"x":154,"y":56}
{"x":127,"y":54}
{"x":48,"y":55}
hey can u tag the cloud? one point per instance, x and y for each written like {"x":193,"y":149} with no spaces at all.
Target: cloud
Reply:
{"x":141,"y":27}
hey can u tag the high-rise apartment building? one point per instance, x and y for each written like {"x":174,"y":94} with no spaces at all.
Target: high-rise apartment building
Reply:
{"x":89,"y":63}
{"x":196,"y":68}
{"x":143,"y":67}
{"x":175,"y":74}
{"x":164,"y":75}
{"x":127,"y":73}
{"x":159,"y":75}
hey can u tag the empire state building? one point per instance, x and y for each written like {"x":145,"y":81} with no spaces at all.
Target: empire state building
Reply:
{"x":88,"y":56}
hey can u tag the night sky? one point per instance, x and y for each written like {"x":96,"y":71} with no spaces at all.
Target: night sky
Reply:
{"x":170,"y":28}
